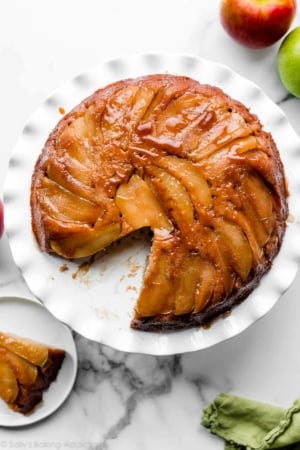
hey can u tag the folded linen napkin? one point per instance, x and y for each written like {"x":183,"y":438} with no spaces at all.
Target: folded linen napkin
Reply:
{"x":247,"y":424}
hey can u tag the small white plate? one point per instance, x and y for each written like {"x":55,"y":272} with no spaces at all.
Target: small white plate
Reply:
{"x":28,"y":318}
{"x":99,"y":302}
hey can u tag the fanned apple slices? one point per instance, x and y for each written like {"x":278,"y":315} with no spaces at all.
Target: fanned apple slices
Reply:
{"x":27,"y":368}
{"x":186,"y":161}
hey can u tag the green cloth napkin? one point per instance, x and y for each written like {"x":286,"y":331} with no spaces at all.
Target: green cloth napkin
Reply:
{"x":246,"y":424}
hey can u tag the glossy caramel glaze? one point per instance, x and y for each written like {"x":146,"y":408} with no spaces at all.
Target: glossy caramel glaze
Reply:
{"x":185,"y":160}
{"x":27,"y":368}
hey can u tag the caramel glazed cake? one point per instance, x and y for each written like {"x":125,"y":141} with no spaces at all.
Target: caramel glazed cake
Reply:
{"x":185,"y":160}
{"x":27,"y":369}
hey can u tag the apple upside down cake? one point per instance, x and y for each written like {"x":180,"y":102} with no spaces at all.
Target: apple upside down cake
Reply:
{"x":27,"y":368}
{"x":183,"y":159}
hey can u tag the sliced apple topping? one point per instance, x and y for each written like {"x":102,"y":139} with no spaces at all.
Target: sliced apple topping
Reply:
{"x":142,"y":99}
{"x":184,"y":120}
{"x":178,"y":281}
{"x":261,"y":199}
{"x":244,"y":223}
{"x":186,"y":290}
{"x":161,"y":277}
{"x":117,"y":114}
{"x":33,"y":352}
{"x":196,"y":284}
{"x":190,"y":177}
{"x":179,"y":126}
{"x":71,"y":175}
{"x":159,"y":102}
{"x":259,"y":160}
{"x":233,"y":152}
{"x":182,"y":112}
{"x":73,"y":166}
{"x":25,"y":371}
{"x":139,"y":206}
{"x":223,"y":279}
{"x":205,"y":286}
{"x":227,"y":128}
{"x":87,"y":242}
{"x":261,"y":233}
{"x":62,"y":204}
{"x":9,"y":388}
{"x":82,"y":133}
{"x":236,"y":246}
{"x":242,"y":145}
{"x":173,"y":196}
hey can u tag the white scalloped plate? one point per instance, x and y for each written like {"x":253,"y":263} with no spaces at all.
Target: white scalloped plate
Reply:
{"x":98,"y":301}
{"x":29,"y":319}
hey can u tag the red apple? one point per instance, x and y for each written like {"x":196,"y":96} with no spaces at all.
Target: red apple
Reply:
{"x":1,"y":219}
{"x":257,"y":23}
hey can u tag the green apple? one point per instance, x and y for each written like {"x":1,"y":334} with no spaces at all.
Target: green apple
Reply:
{"x":288,"y":62}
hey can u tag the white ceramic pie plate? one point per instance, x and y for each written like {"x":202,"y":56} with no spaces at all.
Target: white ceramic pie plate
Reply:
{"x":98,"y":301}
{"x":29,"y":319}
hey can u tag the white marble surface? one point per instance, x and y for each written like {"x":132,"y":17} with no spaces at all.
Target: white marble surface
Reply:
{"x":129,"y":400}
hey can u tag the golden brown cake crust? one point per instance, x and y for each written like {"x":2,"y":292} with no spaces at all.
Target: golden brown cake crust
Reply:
{"x":187,"y":161}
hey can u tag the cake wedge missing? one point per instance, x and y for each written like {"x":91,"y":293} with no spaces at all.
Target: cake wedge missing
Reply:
{"x":183,"y":159}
